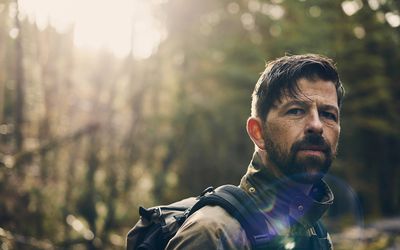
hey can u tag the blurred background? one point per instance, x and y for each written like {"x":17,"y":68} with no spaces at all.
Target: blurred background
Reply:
{"x":108,"y":105}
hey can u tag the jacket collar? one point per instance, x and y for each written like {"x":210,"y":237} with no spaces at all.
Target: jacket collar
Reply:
{"x":277,"y":197}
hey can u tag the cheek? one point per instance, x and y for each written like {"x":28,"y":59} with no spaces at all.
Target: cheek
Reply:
{"x":333,"y":137}
{"x":280,"y":134}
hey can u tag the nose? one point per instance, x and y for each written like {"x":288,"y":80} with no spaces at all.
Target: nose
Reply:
{"x":314,"y":124}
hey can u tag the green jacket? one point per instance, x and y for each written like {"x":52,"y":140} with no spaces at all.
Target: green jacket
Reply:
{"x":290,"y":213}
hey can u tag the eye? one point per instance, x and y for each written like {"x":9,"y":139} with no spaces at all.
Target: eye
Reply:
{"x":295,"y":111}
{"x":328,"y":115}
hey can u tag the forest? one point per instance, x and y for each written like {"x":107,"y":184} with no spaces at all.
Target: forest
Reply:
{"x":87,"y":135}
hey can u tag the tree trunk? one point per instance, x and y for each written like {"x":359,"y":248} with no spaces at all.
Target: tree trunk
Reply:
{"x":19,"y":85}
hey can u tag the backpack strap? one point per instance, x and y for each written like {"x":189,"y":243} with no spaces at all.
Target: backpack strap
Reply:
{"x":324,"y":242}
{"x":240,"y":206}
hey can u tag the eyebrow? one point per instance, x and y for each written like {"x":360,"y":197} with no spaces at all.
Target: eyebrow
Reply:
{"x":329,"y":107}
{"x":306,"y":103}
{"x":295,"y":102}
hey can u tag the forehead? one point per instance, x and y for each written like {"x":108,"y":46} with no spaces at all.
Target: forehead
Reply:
{"x":319,"y":91}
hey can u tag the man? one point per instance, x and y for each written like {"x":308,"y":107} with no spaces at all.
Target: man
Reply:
{"x":295,"y":127}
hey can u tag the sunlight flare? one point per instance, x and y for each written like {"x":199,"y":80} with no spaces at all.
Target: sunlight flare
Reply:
{"x":121,"y":26}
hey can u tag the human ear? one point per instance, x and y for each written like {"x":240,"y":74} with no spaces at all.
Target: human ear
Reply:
{"x":254,"y":129}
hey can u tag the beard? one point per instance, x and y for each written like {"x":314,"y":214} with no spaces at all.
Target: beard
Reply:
{"x":307,"y":169}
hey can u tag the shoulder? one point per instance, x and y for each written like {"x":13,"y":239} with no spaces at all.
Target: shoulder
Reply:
{"x":212,"y":218}
{"x":211,"y":227}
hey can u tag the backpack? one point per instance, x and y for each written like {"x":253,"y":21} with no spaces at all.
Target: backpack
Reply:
{"x":157,"y":225}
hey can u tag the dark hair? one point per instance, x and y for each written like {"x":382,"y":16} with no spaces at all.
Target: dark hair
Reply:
{"x":281,"y":75}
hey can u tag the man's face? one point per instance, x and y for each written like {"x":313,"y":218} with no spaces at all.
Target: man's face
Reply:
{"x":301,"y":133}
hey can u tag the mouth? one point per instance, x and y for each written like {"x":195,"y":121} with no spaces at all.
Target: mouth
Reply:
{"x":312,"y":150}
